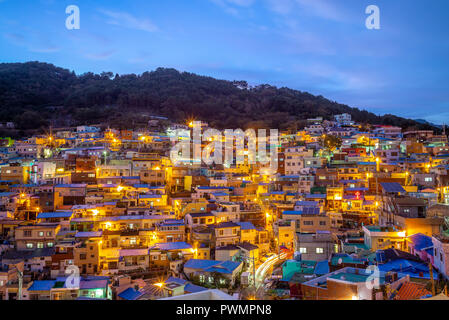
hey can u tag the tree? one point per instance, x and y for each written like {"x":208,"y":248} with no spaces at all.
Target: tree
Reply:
{"x":58,"y":93}
{"x":330,"y":142}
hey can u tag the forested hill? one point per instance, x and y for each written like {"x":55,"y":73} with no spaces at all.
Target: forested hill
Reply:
{"x":29,"y":93}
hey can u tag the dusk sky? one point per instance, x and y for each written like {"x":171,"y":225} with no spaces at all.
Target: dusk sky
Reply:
{"x":319,"y":46}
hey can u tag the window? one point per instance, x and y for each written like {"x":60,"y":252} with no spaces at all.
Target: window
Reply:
{"x":27,"y":233}
{"x":29,"y":245}
{"x":83,"y":256}
{"x":40,"y":245}
{"x":48,"y":233}
{"x":41,"y":233}
{"x":302,"y":250}
{"x":319,"y":250}
{"x":308,"y":223}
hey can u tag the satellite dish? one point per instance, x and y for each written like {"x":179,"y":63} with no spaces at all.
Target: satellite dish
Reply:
{"x":340,"y":260}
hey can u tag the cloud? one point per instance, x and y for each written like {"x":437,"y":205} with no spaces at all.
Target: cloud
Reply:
{"x":129,"y":21}
{"x":48,"y":49}
{"x":306,"y":42}
{"x":35,"y":44}
{"x":241,"y":3}
{"x":329,"y":77}
{"x":322,"y":8}
{"x":281,"y":6}
{"x":99,"y":56}
{"x":232,"y":6}
{"x":15,"y":38}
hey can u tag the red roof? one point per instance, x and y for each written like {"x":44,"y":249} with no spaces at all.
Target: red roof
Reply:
{"x":411,"y":291}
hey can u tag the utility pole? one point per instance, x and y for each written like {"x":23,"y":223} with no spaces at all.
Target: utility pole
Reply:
{"x":431,"y":279}
{"x":20,"y":276}
{"x":254,"y":275}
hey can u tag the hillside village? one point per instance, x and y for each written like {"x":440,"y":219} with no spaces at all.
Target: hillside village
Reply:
{"x":93,"y":214}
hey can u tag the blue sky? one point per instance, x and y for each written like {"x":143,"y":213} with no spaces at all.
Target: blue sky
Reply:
{"x":319,"y":46}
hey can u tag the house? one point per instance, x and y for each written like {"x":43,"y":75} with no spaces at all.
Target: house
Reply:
{"x":309,"y":220}
{"x":36,"y":261}
{"x":383,"y":237}
{"x":350,"y":284}
{"x":411,"y":291}
{"x":60,"y":217}
{"x":63,"y":289}
{"x":316,"y":246}
{"x":38,"y":236}
{"x":441,"y":254}
{"x":393,"y":260}
{"x":225,"y":233}
{"x":213,"y":272}
{"x":212,"y":294}
{"x":421,"y":246}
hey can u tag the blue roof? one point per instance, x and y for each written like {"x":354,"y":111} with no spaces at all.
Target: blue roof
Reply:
{"x":420,"y":241}
{"x":46,"y":215}
{"x":316,"y":196}
{"x":130,"y":294}
{"x":88,"y":234}
{"x":306,"y":203}
{"x":42,"y":285}
{"x":211,"y":187}
{"x":176,"y":280}
{"x":173,"y":245}
{"x":392,"y":187}
{"x":7,"y":194}
{"x":220,"y":194}
{"x":72,"y":185}
{"x":246,"y":225}
{"x":212,"y":265}
{"x":357,"y":189}
{"x":141,"y":185}
{"x":321,"y":267}
{"x":192,"y":288}
{"x":291,"y":212}
{"x":150,"y":196}
{"x":405,"y":266}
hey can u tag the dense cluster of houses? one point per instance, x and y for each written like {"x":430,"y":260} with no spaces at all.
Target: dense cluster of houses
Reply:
{"x":92,"y":213}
